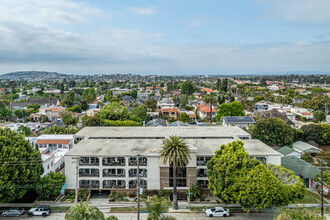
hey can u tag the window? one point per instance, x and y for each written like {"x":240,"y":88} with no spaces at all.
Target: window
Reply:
{"x":132,"y":184}
{"x":113,"y":161}
{"x":133,"y":172}
{"x":88,"y":172}
{"x":48,"y":167}
{"x":52,"y":163}
{"x":181,"y":176}
{"x":89,"y":161}
{"x":132,"y":161}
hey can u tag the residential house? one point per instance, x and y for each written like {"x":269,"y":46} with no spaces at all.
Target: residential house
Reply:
{"x":288,"y":151}
{"x":204,"y":111}
{"x":302,"y":147}
{"x":301,"y":168}
{"x":111,"y":162}
{"x":156,"y":123}
{"x":170,"y":113}
{"x":209,"y":91}
{"x":92,"y":112}
{"x":52,"y":149}
{"x":261,"y":106}
{"x":275,"y":114}
{"x":240,"y":121}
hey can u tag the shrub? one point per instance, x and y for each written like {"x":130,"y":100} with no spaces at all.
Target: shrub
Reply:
{"x":83,"y":194}
{"x":112,"y":218}
{"x":132,"y":194}
{"x":164,"y":193}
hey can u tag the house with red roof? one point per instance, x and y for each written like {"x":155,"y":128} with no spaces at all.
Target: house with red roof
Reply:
{"x":204,"y":111}
{"x":170,"y":113}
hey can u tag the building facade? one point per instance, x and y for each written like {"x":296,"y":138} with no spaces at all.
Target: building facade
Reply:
{"x":107,"y":156}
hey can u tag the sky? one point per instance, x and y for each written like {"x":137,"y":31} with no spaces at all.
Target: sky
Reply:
{"x":171,"y":37}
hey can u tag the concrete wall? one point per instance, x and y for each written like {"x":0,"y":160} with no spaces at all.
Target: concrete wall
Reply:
{"x":274,"y":160}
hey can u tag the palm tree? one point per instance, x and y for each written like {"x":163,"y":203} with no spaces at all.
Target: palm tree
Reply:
{"x":82,"y":211}
{"x":176,"y":152}
{"x":210,"y":99}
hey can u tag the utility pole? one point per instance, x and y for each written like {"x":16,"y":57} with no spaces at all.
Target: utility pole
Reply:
{"x":77,"y":175}
{"x":322,"y":205}
{"x":189,"y":191}
{"x":138,"y":187}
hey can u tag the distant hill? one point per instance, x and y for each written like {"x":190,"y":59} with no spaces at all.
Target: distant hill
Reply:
{"x":33,"y":75}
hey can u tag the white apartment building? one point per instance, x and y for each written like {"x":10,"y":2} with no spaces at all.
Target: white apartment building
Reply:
{"x":52,"y":149}
{"x":108,"y":156}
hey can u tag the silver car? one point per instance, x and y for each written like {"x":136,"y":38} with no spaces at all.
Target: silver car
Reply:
{"x":13,"y":212}
{"x":217,"y":211}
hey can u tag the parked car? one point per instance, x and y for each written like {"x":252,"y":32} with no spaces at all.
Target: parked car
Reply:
{"x":217,"y":211}
{"x":13,"y":212}
{"x":43,"y":210}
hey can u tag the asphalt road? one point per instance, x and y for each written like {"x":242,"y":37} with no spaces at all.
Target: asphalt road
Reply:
{"x":179,"y":216}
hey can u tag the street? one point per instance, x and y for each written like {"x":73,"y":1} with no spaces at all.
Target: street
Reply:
{"x":179,"y":216}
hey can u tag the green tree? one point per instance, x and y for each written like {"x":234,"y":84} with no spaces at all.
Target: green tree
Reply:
{"x":325,"y":133}
{"x":151,"y":104}
{"x":224,"y":85}
{"x":20,"y":166}
{"x":75,"y":108}
{"x":312,"y":132}
{"x":141,"y":112}
{"x":156,"y":207}
{"x":59,"y":130}
{"x":24,"y":131}
{"x":51,"y":185}
{"x":272,"y":131}
{"x":176,"y":153}
{"x":109,"y":96}
{"x":316,"y":103}
{"x":184,"y":117}
{"x":183,"y":100}
{"x":35,"y":106}
{"x":196,"y":191}
{"x":263,"y":81}
{"x":21,"y":113}
{"x":236,"y":179}
{"x":2,"y":104}
{"x":5,"y":113}
{"x":82,"y":211}
{"x":296,"y":213}
{"x":187,"y":88}
{"x":231,"y":109}
{"x":318,"y":116}
{"x":134,"y":93}
{"x":90,"y":91}
{"x":84,"y":105}
{"x":68,"y":119}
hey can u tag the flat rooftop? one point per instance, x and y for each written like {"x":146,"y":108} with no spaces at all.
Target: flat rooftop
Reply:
{"x":127,"y":141}
{"x":165,"y":132}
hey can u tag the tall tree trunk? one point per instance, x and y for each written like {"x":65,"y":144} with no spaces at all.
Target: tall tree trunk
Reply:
{"x":211,"y":113}
{"x":175,"y":195}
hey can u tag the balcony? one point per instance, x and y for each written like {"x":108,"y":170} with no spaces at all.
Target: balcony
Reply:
{"x":114,"y":173}
{"x":89,"y":172}
{"x":114,"y":184}
{"x":95,"y":184}
{"x":114,"y":161}
{"x":133,"y":161}
{"x":133,"y":172}
{"x":133,"y":185}
{"x":89,"y":161}
{"x":202,"y":161}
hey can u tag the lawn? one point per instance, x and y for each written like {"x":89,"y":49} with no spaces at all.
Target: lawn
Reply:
{"x":311,"y":198}
{"x":126,"y":209}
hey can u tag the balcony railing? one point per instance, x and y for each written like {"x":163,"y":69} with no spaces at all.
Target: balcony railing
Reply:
{"x":114,"y":163}
{"x":89,"y":185}
{"x":201,"y":175}
{"x":114,"y":174}
{"x":114,"y":186}
{"x":89,"y":174}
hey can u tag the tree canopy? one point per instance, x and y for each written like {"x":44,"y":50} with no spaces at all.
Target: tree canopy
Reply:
{"x":312,"y":132}
{"x":231,"y":109}
{"x":236,"y":178}
{"x":187,"y":88}
{"x":51,"y":185}
{"x":20,"y":166}
{"x":272,"y":131}
{"x":84,"y":211}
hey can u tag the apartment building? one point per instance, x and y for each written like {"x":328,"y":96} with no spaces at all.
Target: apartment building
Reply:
{"x":108,"y":156}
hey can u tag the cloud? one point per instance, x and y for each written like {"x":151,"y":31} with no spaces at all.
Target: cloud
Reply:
{"x":311,"y":11}
{"x":143,"y":11}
